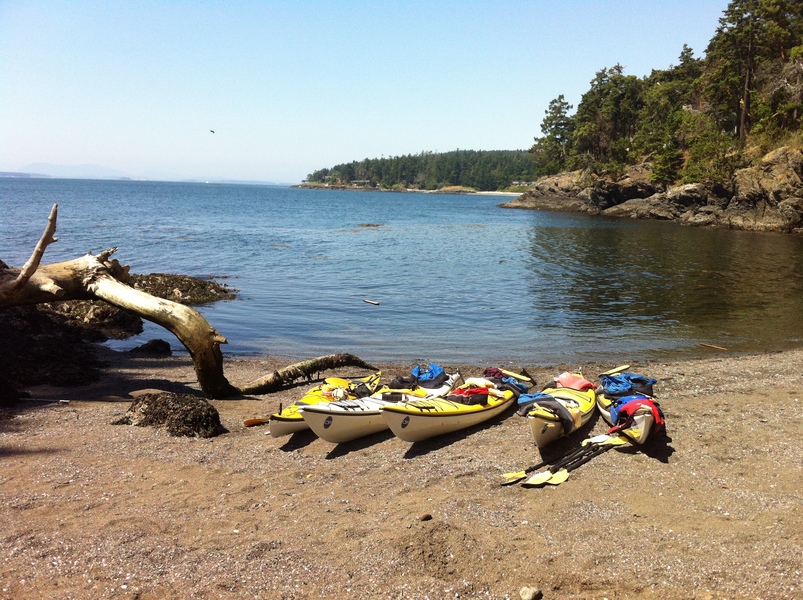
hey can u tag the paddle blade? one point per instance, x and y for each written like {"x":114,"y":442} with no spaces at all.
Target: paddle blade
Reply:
{"x":510,"y":478}
{"x":538,"y":479}
{"x":558,"y":477}
{"x":605,"y":440}
{"x":617,"y":440}
{"x":257,"y":421}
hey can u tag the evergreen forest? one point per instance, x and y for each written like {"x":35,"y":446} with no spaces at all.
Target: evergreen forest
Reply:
{"x":696,"y":121}
{"x":476,"y":169}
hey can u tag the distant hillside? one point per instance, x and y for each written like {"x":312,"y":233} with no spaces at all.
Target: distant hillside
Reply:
{"x":19,"y":175}
{"x":74,"y":171}
{"x":482,"y":170}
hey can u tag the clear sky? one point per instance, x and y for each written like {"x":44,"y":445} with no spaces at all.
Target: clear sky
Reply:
{"x":294,"y":86}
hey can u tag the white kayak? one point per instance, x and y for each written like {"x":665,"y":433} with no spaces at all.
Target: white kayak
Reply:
{"x":347,"y":420}
{"x":626,"y":402}
{"x":288,"y":420}
{"x":643,"y":421}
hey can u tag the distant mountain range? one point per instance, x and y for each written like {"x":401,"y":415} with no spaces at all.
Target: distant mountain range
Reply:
{"x":74,"y":171}
{"x":99,"y":172}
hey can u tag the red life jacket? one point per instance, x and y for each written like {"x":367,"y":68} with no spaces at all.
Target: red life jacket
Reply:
{"x":628,"y":410}
{"x":470,"y":395}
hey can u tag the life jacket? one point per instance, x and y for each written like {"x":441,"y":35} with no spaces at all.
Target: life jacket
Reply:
{"x":624,"y":409}
{"x":574,"y":382}
{"x":526,"y":402}
{"x":431,"y":377}
{"x":625,"y":384}
{"x":427,"y":373}
{"x":469,"y":395}
{"x":493,"y":373}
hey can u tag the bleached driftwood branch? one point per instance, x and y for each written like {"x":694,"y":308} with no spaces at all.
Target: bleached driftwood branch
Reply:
{"x":101,"y":277}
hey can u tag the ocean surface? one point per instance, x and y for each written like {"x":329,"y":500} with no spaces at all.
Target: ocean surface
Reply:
{"x":456,"y":278}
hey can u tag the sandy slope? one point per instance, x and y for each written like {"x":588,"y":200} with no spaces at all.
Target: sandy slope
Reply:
{"x":94,"y":510}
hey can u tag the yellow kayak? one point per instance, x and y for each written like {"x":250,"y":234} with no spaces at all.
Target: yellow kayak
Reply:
{"x":418,"y":420}
{"x":564,"y":410}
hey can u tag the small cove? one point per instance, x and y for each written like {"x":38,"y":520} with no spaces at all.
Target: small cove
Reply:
{"x":452,"y":278}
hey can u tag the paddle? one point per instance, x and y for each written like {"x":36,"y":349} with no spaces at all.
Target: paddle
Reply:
{"x":559,"y":471}
{"x":542,"y":477}
{"x":519,"y":475}
{"x":615,"y":370}
{"x":511,"y":478}
{"x":558,"y":477}
{"x":563,"y":474}
{"x":518,"y":376}
{"x":606,"y":439}
{"x":256,"y":421}
{"x":590,"y":448}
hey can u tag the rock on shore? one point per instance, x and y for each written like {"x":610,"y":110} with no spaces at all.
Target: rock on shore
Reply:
{"x":765,"y":197}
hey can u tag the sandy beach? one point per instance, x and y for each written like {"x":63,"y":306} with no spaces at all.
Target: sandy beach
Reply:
{"x":95,"y":510}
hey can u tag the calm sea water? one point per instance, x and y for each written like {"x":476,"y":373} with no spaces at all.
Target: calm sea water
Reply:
{"x":457,"y":279}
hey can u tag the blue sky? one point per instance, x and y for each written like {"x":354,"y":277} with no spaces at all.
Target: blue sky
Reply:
{"x":291,"y":87}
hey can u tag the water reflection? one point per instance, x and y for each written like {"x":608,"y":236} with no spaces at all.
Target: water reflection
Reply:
{"x":656,"y":278}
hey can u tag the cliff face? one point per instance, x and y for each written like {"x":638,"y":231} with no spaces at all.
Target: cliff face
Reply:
{"x":767,"y":197}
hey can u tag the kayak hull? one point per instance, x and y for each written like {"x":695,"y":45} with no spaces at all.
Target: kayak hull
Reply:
{"x":290,"y":420}
{"x":643,"y":420}
{"x":423,"y":419}
{"x":338,"y":426}
{"x":546,"y":426}
{"x":281,"y":426}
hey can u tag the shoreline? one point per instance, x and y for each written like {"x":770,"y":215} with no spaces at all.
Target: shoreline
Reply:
{"x":95,"y":510}
{"x":347,"y":188}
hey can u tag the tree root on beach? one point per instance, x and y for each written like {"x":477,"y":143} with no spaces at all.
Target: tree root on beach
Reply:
{"x":282,"y":377}
{"x":100,"y":277}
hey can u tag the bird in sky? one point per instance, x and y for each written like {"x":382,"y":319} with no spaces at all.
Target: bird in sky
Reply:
{"x":212,"y":130}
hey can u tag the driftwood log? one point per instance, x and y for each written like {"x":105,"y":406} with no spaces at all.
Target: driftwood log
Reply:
{"x":101,"y":277}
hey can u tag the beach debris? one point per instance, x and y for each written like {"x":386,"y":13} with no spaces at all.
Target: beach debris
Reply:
{"x":99,"y":277}
{"x":179,"y":414}
{"x":712,"y":346}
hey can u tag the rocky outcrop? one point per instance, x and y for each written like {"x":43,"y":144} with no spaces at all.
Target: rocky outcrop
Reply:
{"x":635,"y":185}
{"x":770,"y":196}
{"x":561,"y":192}
{"x":765,"y":197}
